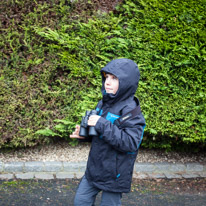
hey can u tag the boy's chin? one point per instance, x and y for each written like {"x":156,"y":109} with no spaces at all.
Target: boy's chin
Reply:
{"x":109,"y":92}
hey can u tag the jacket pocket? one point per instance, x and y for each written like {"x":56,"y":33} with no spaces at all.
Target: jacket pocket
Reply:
{"x":124,"y":165}
{"x":101,"y":163}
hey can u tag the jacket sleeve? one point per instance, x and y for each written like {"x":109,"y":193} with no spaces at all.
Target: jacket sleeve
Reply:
{"x":127,"y":137}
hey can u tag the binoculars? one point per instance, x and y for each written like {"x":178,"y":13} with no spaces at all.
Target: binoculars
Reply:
{"x":86,"y":130}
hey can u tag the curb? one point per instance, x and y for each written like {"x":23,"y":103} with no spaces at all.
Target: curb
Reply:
{"x":68,"y":170}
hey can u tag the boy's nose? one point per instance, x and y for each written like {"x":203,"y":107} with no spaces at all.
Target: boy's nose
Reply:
{"x":108,"y":81}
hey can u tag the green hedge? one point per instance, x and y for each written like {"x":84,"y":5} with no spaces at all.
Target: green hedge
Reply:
{"x":52,"y":55}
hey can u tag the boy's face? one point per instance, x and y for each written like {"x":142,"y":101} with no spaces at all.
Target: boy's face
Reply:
{"x":111,"y":84}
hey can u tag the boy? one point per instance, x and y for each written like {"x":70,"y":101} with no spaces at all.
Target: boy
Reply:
{"x":113,"y":153}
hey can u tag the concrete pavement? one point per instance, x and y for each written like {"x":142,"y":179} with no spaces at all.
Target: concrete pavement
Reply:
{"x":68,"y":170}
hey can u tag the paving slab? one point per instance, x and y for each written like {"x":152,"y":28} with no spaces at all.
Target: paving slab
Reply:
{"x":53,"y":166}
{"x":177,"y":168}
{"x":25,"y":176}
{"x":64,"y":175}
{"x":194,"y":167}
{"x":144,"y":167}
{"x":44,"y":175}
{"x":204,"y":167}
{"x":190,"y":175}
{"x":34,"y":166}
{"x":162,"y":167}
{"x":156,"y":176}
{"x":1,"y":166}
{"x":172,"y":176}
{"x":6,"y":176}
{"x":140,"y":176}
{"x":202,"y":174}
{"x":13,"y":167}
{"x":79,"y":175}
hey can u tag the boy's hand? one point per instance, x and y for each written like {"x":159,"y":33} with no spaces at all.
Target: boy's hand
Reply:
{"x":75,"y":134}
{"x":93,"y":120}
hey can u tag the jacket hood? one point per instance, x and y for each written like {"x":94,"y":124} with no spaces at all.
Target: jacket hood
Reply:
{"x":128,"y":74}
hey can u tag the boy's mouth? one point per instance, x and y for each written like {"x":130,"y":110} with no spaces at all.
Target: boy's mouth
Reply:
{"x":108,"y":89}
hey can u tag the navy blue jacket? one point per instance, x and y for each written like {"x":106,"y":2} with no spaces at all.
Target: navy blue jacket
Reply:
{"x":113,"y":153}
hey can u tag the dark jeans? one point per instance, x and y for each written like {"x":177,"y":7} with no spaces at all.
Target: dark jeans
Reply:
{"x":86,"y":194}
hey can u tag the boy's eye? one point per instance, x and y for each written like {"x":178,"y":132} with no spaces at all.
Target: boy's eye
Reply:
{"x":110,"y":76}
{"x":114,"y":77}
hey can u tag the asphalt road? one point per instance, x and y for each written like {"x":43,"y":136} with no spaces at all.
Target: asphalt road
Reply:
{"x":159,"y":192}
